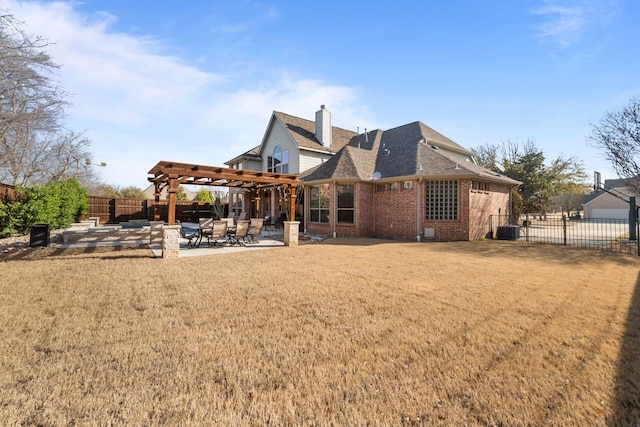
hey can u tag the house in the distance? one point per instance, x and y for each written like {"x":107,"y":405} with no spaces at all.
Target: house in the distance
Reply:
{"x":409,"y":182}
{"x":601,"y":204}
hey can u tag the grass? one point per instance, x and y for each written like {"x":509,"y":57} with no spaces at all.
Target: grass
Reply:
{"x":347,"y":332}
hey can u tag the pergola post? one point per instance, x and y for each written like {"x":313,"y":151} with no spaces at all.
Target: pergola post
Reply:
{"x":292,"y":203}
{"x":156,"y":201}
{"x":291,"y":227}
{"x":257,"y":198}
{"x":171,"y":199}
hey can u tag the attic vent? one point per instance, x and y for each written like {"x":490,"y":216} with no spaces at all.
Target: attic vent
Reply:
{"x":435,"y":147}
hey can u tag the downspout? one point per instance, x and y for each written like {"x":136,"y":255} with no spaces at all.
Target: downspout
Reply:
{"x":305,"y":214}
{"x":418,"y":202}
{"x":335,"y":208}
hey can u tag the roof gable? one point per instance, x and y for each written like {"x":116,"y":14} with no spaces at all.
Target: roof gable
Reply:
{"x":302,"y":131}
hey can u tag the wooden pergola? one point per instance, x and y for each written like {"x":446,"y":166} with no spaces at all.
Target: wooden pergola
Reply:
{"x":170,"y":175}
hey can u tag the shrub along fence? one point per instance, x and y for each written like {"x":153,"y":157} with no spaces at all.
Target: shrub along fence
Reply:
{"x":612,"y":235}
{"x":113,"y":211}
{"x":57,"y":204}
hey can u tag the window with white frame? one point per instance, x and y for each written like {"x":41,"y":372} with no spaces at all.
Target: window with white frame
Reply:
{"x":441,"y":200}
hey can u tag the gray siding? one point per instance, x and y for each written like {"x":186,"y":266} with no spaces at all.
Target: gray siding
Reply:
{"x":280,"y":136}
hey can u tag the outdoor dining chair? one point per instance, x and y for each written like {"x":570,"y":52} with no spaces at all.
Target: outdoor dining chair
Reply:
{"x":219,"y":232}
{"x":240,"y":232}
{"x":230,"y":222}
{"x":206,"y":228}
{"x":190,"y":234}
{"x":255,"y":228}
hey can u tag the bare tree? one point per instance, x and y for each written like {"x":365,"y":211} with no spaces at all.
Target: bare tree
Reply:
{"x":34,"y":146}
{"x":570,"y":201}
{"x":525,"y":162}
{"x":486,"y":155}
{"x":618,"y":135}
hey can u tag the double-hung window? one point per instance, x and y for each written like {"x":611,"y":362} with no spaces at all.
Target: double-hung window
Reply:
{"x":319,"y":203}
{"x":345,"y":204}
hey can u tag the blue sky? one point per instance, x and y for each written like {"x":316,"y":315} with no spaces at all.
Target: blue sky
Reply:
{"x":196,"y":81}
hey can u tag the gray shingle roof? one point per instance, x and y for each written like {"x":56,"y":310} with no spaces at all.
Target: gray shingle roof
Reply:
{"x":409,"y":150}
{"x":592,"y":196}
{"x":303,"y":133}
{"x":253,"y":154}
{"x":620,"y":183}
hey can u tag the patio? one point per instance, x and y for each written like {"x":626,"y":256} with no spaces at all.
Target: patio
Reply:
{"x":269,"y":239}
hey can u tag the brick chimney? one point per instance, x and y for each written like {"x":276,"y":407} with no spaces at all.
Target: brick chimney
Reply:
{"x":323,"y":126}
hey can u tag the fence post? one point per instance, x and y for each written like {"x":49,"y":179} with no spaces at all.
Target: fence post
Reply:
{"x":633,"y":218}
{"x":564,"y":229}
{"x":526,"y":228}
{"x":638,"y":229}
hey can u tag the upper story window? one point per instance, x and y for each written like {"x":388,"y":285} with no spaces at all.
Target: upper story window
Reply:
{"x":279,"y":161}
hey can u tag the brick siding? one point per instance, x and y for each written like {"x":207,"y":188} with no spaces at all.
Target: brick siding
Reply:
{"x":395,"y":214}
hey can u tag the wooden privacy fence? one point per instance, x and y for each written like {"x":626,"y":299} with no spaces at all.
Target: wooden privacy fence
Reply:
{"x":7,"y":193}
{"x":113,"y":211}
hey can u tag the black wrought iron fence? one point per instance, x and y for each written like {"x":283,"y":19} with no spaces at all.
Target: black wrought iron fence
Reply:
{"x":605,"y":234}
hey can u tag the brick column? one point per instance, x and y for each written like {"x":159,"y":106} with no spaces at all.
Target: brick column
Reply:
{"x":291,"y":233}
{"x":155,"y":237}
{"x":171,"y":241}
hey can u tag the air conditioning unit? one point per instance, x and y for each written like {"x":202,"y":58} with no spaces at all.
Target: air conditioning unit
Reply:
{"x":508,"y":232}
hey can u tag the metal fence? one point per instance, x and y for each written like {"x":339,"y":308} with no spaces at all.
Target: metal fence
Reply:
{"x":612,"y":235}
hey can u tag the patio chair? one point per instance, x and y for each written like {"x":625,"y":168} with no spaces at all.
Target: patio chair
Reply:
{"x":243,"y":216}
{"x":190,"y":234}
{"x":230,"y":222}
{"x":268,"y":222}
{"x":255,"y":228}
{"x":219,"y":232}
{"x":206,"y":228}
{"x":240,"y":232}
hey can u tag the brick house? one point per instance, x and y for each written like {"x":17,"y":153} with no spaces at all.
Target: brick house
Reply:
{"x":409,"y":182}
{"x":290,"y":145}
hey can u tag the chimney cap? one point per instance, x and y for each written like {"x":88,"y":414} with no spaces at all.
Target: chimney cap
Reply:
{"x":322,"y":107}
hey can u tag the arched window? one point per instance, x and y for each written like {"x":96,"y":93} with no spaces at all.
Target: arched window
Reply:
{"x":277,"y":159}
{"x":279,"y":162}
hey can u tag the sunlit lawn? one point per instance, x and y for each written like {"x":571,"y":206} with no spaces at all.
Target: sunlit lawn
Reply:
{"x":347,"y":332}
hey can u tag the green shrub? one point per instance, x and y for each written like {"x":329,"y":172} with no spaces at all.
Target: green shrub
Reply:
{"x":58,"y":204}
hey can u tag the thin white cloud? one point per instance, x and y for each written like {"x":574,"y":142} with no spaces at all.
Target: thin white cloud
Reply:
{"x":116,"y":77}
{"x":566,"y":21}
{"x":140,"y":105}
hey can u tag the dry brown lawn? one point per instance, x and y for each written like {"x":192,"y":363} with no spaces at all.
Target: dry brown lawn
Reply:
{"x":347,"y":332}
